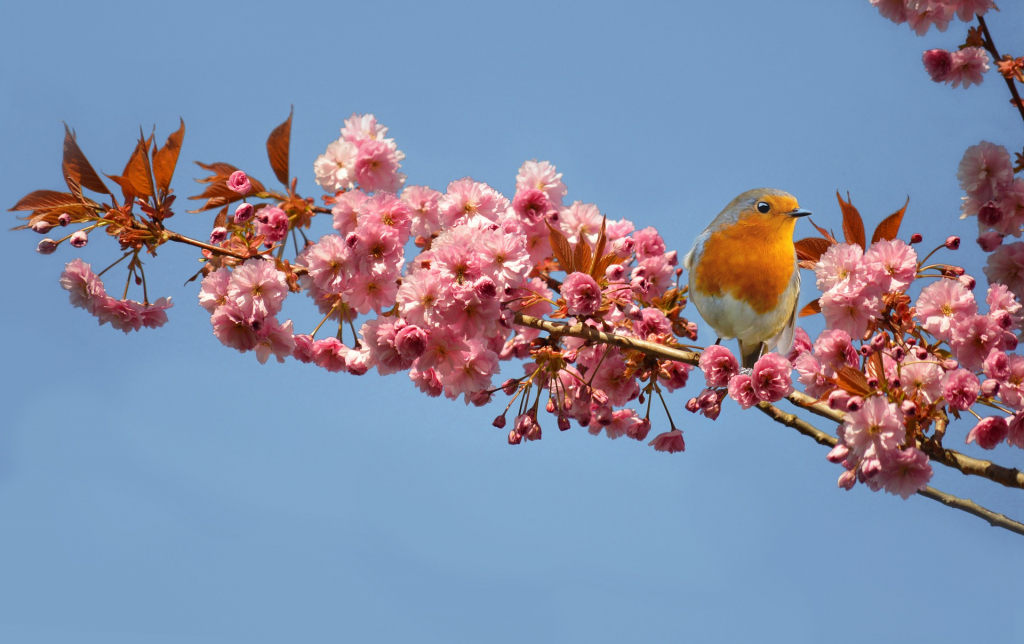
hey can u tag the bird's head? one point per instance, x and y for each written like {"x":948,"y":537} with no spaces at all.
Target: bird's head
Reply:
{"x":765,"y":207}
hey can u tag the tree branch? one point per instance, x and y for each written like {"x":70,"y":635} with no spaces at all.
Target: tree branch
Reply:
{"x":990,"y":45}
{"x":950,"y":458}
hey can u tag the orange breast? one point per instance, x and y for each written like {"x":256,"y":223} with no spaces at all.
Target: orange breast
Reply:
{"x":752,"y":260}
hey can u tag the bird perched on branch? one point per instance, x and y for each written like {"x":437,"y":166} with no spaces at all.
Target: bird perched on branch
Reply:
{"x":743,"y":273}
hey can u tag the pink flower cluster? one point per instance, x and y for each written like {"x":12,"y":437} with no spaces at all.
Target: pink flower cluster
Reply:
{"x":922,"y":14}
{"x":86,"y":291}
{"x":364,"y":156}
{"x":243,"y":303}
{"x":853,"y":282}
{"x":965,"y":66}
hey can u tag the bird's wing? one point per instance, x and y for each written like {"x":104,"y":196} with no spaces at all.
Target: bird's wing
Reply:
{"x":784,"y":341}
{"x":698,"y":246}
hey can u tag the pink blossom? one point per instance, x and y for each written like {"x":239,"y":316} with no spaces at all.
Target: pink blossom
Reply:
{"x":541,"y":176}
{"x":943,"y":305}
{"x":835,"y":349}
{"x":373,"y":290}
{"x":411,"y":342}
{"x":990,"y":241}
{"x":1000,"y":298}
{"x":989,"y":432}
{"x":1015,"y":430}
{"x":659,"y":273}
{"x":741,"y":389}
{"x":967,"y":9}
{"x":422,"y":298}
{"x":938,"y":63}
{"x":239,"y":182}
{"x":973,"y":338}
{"x":273,"y":224}
{"x":997,"y":365}
{"x":812,"y":375}
{"x":611,"y":378}
{"x":232,"y":327}
{"x":895,"y":10}
{"x":922,"y":14}
{"x":389,"y":212}
{"x":648,"y":243}
{"x":258,"y":288}
{"x":580,"y":221}
{"x":330,"y":354}
{"x":895,"y":261}
{"x":303,"y":351}
{"x":379,"y":337}
{"x":878,"y":423}
{"x":274,"y":338}
{"x":968,"y":66}
{"x":504,"y":258}
{"x":357,"y":361}
{"x":243,"y":213}
{"x":652,"y":322}
{"x":851,"y":309}
{"x":123,"y":315}
{"x":922,"y":380}
{"x":376,"y":167}
{"x":79,"y":239}
{"x":335,"y":169}
{"x":670,"y":442}
{"x":984,"y":170}
{"x":801,"y":344}
{"x":377,"y":248}
{"x":444,"y":352}
{"x":903,"y":473}
{"x":345,"y":212}
{"x":154,"y":315}
{"x":1006,"y":266}
{"x":467,"y":199}
{"x":329,"y":264}
{"x":427,"y":382}
{"x":532,"y":205}
{"x":423,"y":204}
{"x":960,"y":389}
{"x":771,"y":377}
{"x":84,"y":288}
{"x":359,"y":128}
{"x":1011,"y":388}
{"x":673,"y":375}
{"x":840,"y":264}
{"x":472,"y":374}
{"x":582,"y":294}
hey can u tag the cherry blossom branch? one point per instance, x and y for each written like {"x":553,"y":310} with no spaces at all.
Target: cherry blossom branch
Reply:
{"x":994,"y":519}
{"x":990,"y":45}
{"x":967,"y":465}
{"x":176,"y":237}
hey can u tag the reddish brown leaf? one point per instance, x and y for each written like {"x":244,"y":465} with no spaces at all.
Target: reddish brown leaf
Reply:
{"x":77,"y":169}
{"x":602,"y":241}
{"x":582,"y":256}
{"x":853,"y":225}
{"x":852,"y":381}
{"x":890,"y":226}
{"x":219,"y":171}
{"x":277,"y":148}
{"x":829,"y":237}
{"x":166,"y":159}
{"x":44,"y":199}
{"x":137,"y":172}
{"x":222,"y":218}
{"x":811,"y":248}
{"x":560,"y":249}
{"x":602,"y":265}
{"x":814,"y":306}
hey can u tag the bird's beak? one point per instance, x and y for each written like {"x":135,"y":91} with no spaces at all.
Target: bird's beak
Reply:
{"x":799,"y":212}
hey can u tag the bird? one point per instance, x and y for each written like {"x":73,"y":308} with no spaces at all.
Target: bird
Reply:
{"x":743,"y":275}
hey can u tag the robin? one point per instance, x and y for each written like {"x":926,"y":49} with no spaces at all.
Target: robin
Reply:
{"x":743,"y":273}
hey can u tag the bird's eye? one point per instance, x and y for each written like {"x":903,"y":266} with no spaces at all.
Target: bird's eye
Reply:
{"x":763,"y":206}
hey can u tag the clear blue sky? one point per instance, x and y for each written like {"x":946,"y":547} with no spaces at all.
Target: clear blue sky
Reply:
{"x":163,"y":488}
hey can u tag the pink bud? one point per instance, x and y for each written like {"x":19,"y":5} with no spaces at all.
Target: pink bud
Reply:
{"x":510,"y":386}
{"x":938,"y":63}
{"x":873,"y":382}
{"x":603,"y":416}
{"x":968,"y":282}
{"x":499,"y":422}
{"x":480,"y":397}
{"x":46,"y":246}
{"x":990,"y":214}
{"x":79,"y":239}
{"x":692,"y":405}
{"x":838,"y":399}
{"x":909,"y":408}
{"x":879,"y":341}
{"x":920,"y":353}
{"x":838,"y":454}
{"x":855,"y":403}
{"x":64,"y":219}
{"x":870,"y":466}
{"x":640,"y":285}
{"x":244,"y":213}
{"x":615,"y":272}
{"x":953,"y":242}
{"x":239,"y":182}
{"x":916,"y":238}
{"x":42,"y":227}
{"x":623,"y":247}
{"x":599,"y":397}
{"x":411,"y":342}
{"x":486,"y":288}
{"x":847,"y":480}
{"x":514,"y":437}
{"x":866,"y":350}
{"x":911,"y":341}
{"x":351,"y":239}
{"x":989,"y":432}
{"x":990,"y":241}
{"x":218,"y":235}
{"x":950,"y":364}
{"x":989,"y":388}
{"x":898,"y":353}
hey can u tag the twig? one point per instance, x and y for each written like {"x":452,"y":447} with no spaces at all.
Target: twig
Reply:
{"x":990,"y":45}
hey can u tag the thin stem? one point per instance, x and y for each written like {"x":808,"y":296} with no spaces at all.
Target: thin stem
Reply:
{"x":114,"y":264}
{"x":990,"y":45}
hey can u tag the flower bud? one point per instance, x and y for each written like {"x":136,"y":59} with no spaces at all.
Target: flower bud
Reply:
{"x":938,"y":63}
{"x":873,"y":382}
{"x":480,"y":397}
{"x":351,"y":239}
{"x":855,"y":403}
{"x":968,"y":282}
{"x":244,"y":212}
{"x":79,"y":239}
{"x":499,"y":422}
{"x":603,"y":416}
{"x":909,"y":408}
{"x":46,"y":246}
{"x":989,"y":388}
{"x":953,"y":242}
{"x":218,"y":235}
{"x":990,"y":241}
{"x":916,"y":238}
{"x":239,"y":182}
{"x":990,"y":214}
{"x":911,"y":341}
{"x":879,"y":341}
{"x":950,"y":364}
{"x":42,"y":227}
{"x":640,"y":285}
{"x":866,"y":350}
{"x":847,"y":480}
{"x":692,"y":405}
{"x":563,"y":423}
{"x":838,"y":400}
{"x":514,"y":437}
{"x":870,"y":466}
{"x":898,"y":353}
{"x":64,"y":219}
{"x":486,"y":288}
{"x":838,"y":454}
{"x":615,"y":272}
{"x":623,"y":247}
{"x":599,"y":397}
{"x":920,"y":353}
{"x":672,"y":258}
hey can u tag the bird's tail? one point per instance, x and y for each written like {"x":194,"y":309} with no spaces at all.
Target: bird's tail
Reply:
{"x":751,"y":353}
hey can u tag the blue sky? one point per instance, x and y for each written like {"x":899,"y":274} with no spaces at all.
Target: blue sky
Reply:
{"x":163,"y":488}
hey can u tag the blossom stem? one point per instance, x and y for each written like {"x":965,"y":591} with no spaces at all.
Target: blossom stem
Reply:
{"x":329,"y":314}
{"x":100,"y":274}
{"x":142,"y":273}
{"x":990,"y":45}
